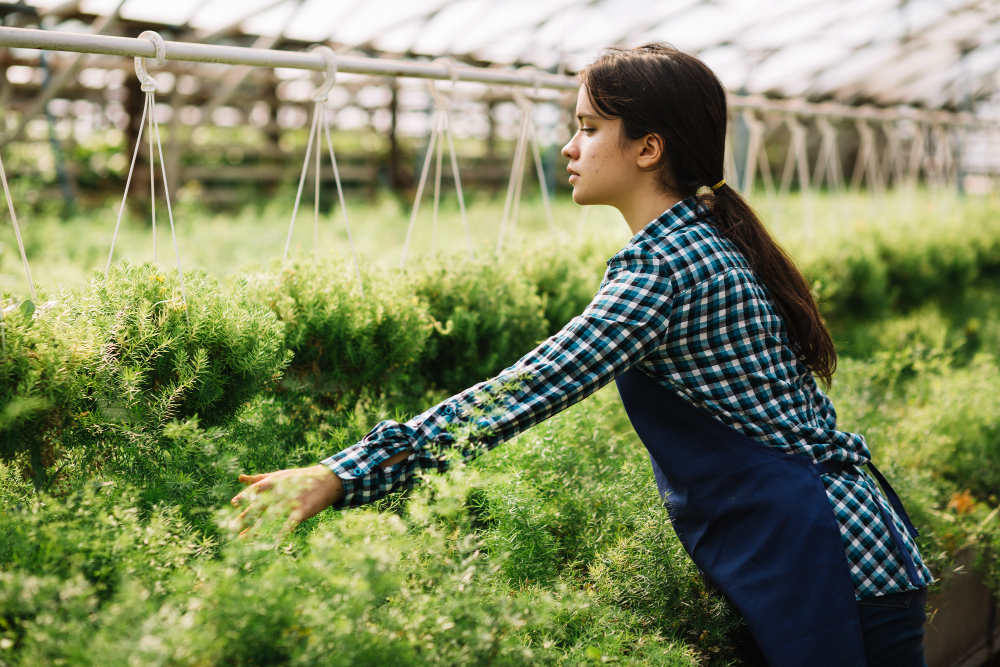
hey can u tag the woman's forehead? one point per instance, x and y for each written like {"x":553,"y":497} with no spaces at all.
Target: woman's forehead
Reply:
{"x":583,"y":106}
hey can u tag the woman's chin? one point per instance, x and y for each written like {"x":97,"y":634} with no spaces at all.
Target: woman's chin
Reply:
{"x":581,"y":198}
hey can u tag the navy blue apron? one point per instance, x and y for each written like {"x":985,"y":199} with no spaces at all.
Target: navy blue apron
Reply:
{"x":757,"y":522}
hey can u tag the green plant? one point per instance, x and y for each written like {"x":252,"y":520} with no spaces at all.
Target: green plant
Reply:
{"x":344,"y":344}
{"x":45,"y":357}
{"x":165,"y":358}
{"x":492,"y":316}
{"x":566,"y":277}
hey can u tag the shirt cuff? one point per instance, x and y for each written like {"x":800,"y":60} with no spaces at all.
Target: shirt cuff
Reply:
{"x":347,"y":465}
{"x":372,"y":484}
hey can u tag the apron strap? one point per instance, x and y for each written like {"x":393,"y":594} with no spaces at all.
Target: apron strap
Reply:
{"x":890,"y":493}
{"x":832,"y":467}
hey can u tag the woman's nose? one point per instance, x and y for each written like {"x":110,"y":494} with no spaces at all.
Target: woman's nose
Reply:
{"x":568,"y":151}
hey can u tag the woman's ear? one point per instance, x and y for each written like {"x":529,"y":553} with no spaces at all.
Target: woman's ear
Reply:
{"x":650,"y":152}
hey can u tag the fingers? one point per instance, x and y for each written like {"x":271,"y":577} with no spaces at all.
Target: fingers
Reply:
{"x":253,"y":479}
{"x":257,"y":483}
{"x":294,"y":496}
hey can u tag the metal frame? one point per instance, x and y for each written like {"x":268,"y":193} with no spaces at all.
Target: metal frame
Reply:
{"x":800,"y":107}
{"x":27,"y":38}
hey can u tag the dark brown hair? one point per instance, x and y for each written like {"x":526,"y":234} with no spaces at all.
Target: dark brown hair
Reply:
{"x":656,"y":89}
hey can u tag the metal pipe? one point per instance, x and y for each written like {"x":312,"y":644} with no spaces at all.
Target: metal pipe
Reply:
{"x":26,"y":38}
{"x":800,"y":107}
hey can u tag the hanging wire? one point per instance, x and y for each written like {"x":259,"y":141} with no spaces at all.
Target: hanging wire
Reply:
{"x":515,"y":171}
{"x":519,"y":184}
{"x":17,"y":233}
{"x":526,"y":133}
{"x":444,"y":104}
{"x":437,"y":191}
{"x":458,"y":185}
{"x":170,"y":212}
{"x":420,"y":190}
{"x":149,"y":87}
{"x":317,"y":110}
{"x":440,"y":131}
{"x":543,"y":183}
{"x":302,"y":181}
{"x":128,"y":182}
{"x":320,"y":123}
{"x":152,"y":175}
{"x":343,"y":204}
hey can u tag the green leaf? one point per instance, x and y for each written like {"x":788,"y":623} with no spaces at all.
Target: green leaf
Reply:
{"x":27,"y":309}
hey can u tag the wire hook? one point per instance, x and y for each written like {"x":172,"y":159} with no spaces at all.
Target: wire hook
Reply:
{"x":532,"y":71}
{"x":442,"y":101}
{"x":149,"y":84}
{"x":323,"y":92}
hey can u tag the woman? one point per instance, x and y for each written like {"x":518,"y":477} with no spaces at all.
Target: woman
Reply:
{"x":714,"y":340}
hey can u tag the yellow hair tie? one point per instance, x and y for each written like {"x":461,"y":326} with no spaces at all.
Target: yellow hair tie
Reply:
{"x":719,"y":184}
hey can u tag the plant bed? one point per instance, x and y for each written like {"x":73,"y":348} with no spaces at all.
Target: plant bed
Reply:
{"x":165,"y":358}
{"x":46,"y":358}
{"x":344,"y":345}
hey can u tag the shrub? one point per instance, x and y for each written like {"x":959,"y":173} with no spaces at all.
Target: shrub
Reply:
{"x":343,"y":344}
{"x":903,"y":268}
{"x":45,"y":356}
{"x":566,"y":277}
{"x":492,"y":316}
{"x":97,"y":533}
{"x":163,"y":359}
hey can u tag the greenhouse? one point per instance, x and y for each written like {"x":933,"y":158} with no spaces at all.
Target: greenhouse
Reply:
{"x":275,"y":275}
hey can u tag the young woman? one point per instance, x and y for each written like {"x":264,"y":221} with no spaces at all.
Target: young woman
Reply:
{"x":715,"y":342}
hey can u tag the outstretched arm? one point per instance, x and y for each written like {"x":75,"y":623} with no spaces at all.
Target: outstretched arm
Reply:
{"x":624,"y":323}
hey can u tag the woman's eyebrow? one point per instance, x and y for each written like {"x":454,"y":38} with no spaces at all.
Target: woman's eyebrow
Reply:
{"x":584,"y":116}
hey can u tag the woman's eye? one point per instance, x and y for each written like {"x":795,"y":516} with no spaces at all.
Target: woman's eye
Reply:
{"x":587,"y":130}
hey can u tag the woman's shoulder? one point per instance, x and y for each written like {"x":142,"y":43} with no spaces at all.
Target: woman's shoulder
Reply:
{"x":690,"y":255}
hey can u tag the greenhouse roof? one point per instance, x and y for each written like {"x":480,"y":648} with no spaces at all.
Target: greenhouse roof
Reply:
{"x":929,"y":53}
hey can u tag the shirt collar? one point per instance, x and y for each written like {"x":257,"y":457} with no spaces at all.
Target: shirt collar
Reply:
{"x":683,"y":212}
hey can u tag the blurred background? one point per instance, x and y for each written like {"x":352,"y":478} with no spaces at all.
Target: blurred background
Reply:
{"x":866,"y":133}
{"x":838,"y":107}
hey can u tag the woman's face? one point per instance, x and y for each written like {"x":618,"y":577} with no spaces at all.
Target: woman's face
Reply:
{"x":601,"y":169}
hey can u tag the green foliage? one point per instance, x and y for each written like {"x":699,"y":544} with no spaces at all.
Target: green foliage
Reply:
{"x":932,"y":426}
{"x":567,"y":278}
{"x":164,"y":358}
{"x":896,"y":269}
{"x":344,"y":344}
{"x":573,"y":502}
{"x":99,"y":535}
{"x":45,"y":355}
{"x":552,"y":550}
{"x":412,"y":589}
{"x":492,"y":316}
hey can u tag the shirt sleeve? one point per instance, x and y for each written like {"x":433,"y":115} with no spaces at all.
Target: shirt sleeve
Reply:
{"x":625,"y":322}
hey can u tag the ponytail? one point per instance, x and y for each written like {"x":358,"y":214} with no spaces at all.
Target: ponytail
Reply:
{"x":790,"y":293}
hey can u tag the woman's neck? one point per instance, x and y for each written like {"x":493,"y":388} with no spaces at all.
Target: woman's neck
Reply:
{"x":644,"y":205}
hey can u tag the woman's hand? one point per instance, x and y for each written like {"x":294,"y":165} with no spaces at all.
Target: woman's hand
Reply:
{"x":298,"y":493}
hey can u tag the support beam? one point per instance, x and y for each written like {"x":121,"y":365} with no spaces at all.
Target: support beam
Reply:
{"x":236,"y":55}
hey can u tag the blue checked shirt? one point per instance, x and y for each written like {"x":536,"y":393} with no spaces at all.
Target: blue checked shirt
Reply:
{"x":681,"y":303}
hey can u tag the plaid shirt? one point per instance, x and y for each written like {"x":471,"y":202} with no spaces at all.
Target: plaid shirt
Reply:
{"x":681,"y":303}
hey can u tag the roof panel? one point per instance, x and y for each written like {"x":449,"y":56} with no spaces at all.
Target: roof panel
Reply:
{"x":894,"y":51}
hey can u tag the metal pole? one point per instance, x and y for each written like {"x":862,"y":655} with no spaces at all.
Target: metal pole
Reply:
{"x":26,"y":38}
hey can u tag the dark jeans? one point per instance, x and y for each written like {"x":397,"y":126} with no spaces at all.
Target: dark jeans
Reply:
{"x":892,"y":626}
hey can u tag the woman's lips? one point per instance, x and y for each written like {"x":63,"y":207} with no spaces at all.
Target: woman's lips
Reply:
{"x":572,"y":175}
